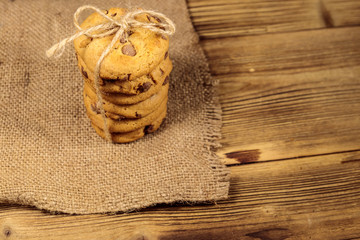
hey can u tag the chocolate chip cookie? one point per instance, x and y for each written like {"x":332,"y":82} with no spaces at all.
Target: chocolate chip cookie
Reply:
{"x":124,"y":99}
{"x":125,"y":86}
{"x":126,"y":125}
{"x":134,"y":135}
{"x":118,"y":112}
{"x":131,"y":58}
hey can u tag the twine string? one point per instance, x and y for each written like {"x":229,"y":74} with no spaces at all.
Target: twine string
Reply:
{"x":110,"y":27}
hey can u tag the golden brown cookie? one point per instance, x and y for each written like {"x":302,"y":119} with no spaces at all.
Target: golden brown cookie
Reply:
{"x":126,"y":125}
{"x":134,"y":87}
{"x":117,"y":112}
{"x":137,"y":56}
{"x":124,"y":99}
{"x":134,"y":135}
{"x":121,"y":137}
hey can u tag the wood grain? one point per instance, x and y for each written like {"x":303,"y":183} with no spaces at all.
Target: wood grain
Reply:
{"x":220,"y":18}
{"x":314,"y":198}
{"x":288,"y":95}
{"x":342,"y":12}
{"x":224,"y":18}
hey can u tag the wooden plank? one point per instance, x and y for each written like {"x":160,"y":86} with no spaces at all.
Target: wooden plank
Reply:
{"x":288,"y":95}
{"x":342,"y":12}
{"x":220,"y":18}
{"x":314,"y":198}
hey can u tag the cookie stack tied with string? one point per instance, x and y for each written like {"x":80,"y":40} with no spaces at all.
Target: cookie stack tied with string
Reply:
{"x":128,"y":97}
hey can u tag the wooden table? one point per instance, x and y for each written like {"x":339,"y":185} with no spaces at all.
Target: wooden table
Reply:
{"x":290,"y":92}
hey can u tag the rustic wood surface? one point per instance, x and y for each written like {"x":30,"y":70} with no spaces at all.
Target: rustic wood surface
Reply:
{"x":289,"y":76}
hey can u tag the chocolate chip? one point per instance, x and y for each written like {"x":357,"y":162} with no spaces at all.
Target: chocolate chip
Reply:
{"x":108,"y":80}
{"x":148,"y":129}
{"x":166,"y":81}
{"x":162,"y":28}
{"x":137,"y":115}
{"x":106,"y":12}
{"x":166,"y":55}
{"x":157,"y":19}
{"x":152,"y":79}
{"x":161,"y":72}
{"x":113,"y":15}
{"x":163,"y":37}
{"x":84,"y":72}
{"x":94,"y":108}
{"x":129,"y":33}
{"x":144,"y":87}
{"x":129,"y":50}
{"x":122,"y":40}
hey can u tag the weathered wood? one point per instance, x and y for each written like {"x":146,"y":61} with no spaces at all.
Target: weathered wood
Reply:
{"x":288,"y":95}
{"x":342,"y":12}
{"x":317,"y":198}
{"x":224,"y":18}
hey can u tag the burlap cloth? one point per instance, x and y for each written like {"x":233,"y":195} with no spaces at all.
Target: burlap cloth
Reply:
{"x":52,"y":158}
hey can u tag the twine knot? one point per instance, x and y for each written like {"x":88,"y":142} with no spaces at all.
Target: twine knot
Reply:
{"x":118,"y":27}
{"x":112,"y":26}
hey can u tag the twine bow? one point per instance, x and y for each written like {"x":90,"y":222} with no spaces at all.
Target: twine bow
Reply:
{"x":119,"y":28}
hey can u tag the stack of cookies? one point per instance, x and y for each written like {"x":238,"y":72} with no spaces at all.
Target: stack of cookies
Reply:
{"x":134,"y":78}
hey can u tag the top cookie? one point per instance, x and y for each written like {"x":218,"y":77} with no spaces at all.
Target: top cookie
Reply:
{"x":139,"y":55}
